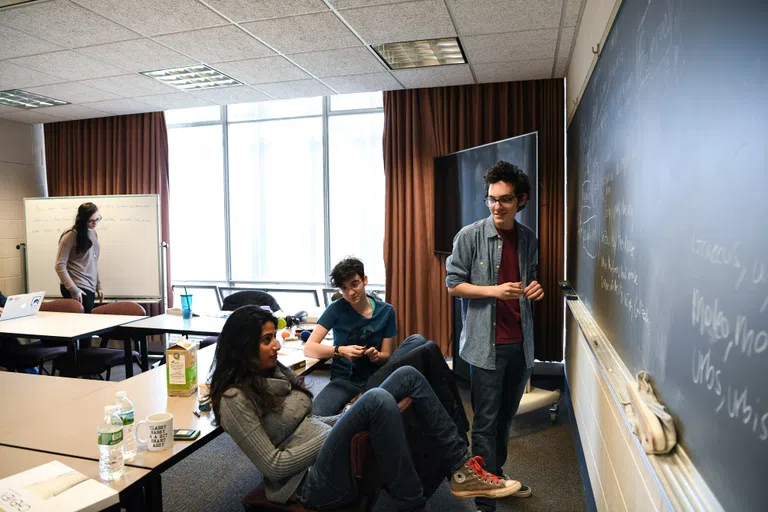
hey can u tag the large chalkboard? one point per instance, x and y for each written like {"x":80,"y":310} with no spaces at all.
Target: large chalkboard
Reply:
{"x":668,"y":239}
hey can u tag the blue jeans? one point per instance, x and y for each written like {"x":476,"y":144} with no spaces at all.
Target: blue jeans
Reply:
{"x":330,"y":484}
{"x":496,"y":395}
{"x":340,"y":391}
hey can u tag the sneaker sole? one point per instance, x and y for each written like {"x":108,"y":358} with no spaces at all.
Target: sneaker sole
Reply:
{"x":496,"y":493}
{"x":523,"y":494}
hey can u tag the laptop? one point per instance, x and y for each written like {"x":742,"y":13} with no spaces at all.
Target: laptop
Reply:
{"x":26,"y":304}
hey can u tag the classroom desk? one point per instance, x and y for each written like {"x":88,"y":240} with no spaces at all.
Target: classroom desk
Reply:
{"x":16,"y":460}
{"x":175,"y":324}
{"x":22,"y":396}
{"x":68,"y":328}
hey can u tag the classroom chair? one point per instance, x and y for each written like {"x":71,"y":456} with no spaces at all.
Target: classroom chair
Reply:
{"x":62,"y":306}
{"x":364,"y":471}
{"x":97,"y":360}
{"x":17,"y":357}
{"x":239,"y":299}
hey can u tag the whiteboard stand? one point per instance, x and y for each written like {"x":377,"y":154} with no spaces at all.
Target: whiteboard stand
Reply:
{"x":164,"y":274}
{"x":23,"y":248}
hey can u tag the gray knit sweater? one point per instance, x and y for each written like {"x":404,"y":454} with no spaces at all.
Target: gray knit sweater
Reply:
{"x":283,"y":444}
{"x":78,"y":272}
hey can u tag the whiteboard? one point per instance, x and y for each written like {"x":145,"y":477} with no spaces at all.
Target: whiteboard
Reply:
{"x":129,"y":236}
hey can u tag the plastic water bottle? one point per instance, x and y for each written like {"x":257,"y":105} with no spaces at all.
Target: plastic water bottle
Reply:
{"x":125,"y":410}
{"x":111,"y":465}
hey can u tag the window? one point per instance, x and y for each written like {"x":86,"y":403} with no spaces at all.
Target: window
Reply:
{"x":197,"y":247}
{"x":249,"y":203}
{"x":363,"y":100}
{"x":356,"y":171}
{"x":276,"y":200}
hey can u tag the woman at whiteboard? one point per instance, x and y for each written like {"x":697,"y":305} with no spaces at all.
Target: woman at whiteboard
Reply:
{"x":77,"y":260}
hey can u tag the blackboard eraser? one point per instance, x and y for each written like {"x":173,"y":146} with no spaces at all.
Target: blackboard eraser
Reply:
{"x":571,"y":296}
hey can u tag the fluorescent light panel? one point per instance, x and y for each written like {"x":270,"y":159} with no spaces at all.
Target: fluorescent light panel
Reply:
{"x":423,"y":53}
{"x":23,"y":99}
{"x":193,"y":78}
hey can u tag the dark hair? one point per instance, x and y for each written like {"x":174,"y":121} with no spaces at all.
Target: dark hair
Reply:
{"x":508,"y":173}
{"x":345,"y":270}
{"x":236,"y":363}
{"x":80,"y":227}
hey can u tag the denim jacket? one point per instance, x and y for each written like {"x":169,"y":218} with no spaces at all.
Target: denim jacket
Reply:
{"x":475,"y":259}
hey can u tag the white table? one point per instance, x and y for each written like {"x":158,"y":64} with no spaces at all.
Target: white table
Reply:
{"x":68,"y":328}
{"x":22,"y":396}
{"x":165,"y":324}
{"x":16,"y":460}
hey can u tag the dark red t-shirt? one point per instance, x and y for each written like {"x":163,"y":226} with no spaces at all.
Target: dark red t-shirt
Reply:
{"x":509,"y":328}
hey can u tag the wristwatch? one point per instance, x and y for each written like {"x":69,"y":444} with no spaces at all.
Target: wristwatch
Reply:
{"x":336,"y":354}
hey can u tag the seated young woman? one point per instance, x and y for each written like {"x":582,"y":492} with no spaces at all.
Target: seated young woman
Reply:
{"x":267,"y":411}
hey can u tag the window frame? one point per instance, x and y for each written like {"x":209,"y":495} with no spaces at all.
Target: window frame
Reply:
{"x":225,"y":122}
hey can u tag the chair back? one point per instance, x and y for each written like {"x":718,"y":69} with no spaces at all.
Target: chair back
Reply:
{"x":248,"y":298}
{"x":120,"y":308}
{"x":62,"y":306}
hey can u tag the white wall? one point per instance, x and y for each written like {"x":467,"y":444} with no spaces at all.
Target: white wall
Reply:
{"x":22,"y":174}
{"x":596,"y":21}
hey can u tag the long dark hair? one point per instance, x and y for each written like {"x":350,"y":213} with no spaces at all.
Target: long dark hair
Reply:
{"x":80,"y":227}
{"x":236,"y":363}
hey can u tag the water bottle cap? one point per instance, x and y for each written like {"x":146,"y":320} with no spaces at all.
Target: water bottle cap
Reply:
{"x":121,"y":394}
{"x":110,"y":409}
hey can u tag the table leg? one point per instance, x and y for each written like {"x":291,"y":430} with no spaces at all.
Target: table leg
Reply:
{"x":144,"y":349}
{"x":154,"y":492}
{"x":128,"y":347}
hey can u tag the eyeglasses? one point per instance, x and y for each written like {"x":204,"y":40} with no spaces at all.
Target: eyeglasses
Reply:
{"x":94,"y":221}
{"x":352,"y":286}
{"x":506,"y":201}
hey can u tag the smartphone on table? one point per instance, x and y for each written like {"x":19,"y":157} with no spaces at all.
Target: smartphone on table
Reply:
{"x":185,"y":434}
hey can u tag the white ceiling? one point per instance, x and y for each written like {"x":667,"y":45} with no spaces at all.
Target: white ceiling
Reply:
{"x":89,"y":52}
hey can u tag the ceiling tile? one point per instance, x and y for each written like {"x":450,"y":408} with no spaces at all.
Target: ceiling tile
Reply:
{"x":513,"y":71}
{"x":129,"y":86}
{"x":363,"y":83}
{"x":73,"y":112}
{"x":572,"y":10}
{"x":492,"y":16}
{"x":19,"y":77}
{"x":153,"y":17}
{"x":562,"y":66}
{"x":436,"y":76}
{"x":512,"y":46}
{"x":307,"y":33}
{"x":68,"y":64}
{"x":566,"y":41}
{"x":259,"y":71}
{"x":18,"y":44}
{"x":218,"y":44}
{"x":31,"y":116}
{"x":409,"y":21}
{"x":295,"y":89}
{"x":231,"y":95}
{"x":122,"y":106}
{"x":174,"y":100}
{"x":137,"y":55}
{"x":251,"y":10}
{"x":348,"y":61}
{"x":73,"y":92}
{"x":64,"y":23}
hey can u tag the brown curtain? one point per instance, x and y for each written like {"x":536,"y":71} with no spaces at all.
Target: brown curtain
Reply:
{"x":111,"y":156}
{"x":421,"y":124}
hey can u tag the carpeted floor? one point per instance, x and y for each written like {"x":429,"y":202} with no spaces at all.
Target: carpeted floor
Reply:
{"x":541,"y":454}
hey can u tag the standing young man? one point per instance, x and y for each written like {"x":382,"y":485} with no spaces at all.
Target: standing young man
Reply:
{"x":493,"y":268}
{"x":364,"y":331}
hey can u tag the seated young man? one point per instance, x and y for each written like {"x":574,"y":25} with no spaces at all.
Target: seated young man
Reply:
{"x":363,"y":337}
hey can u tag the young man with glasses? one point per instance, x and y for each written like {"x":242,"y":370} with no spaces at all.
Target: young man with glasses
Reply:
{"x":493,"y":268}
{"x":364,"y":333}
